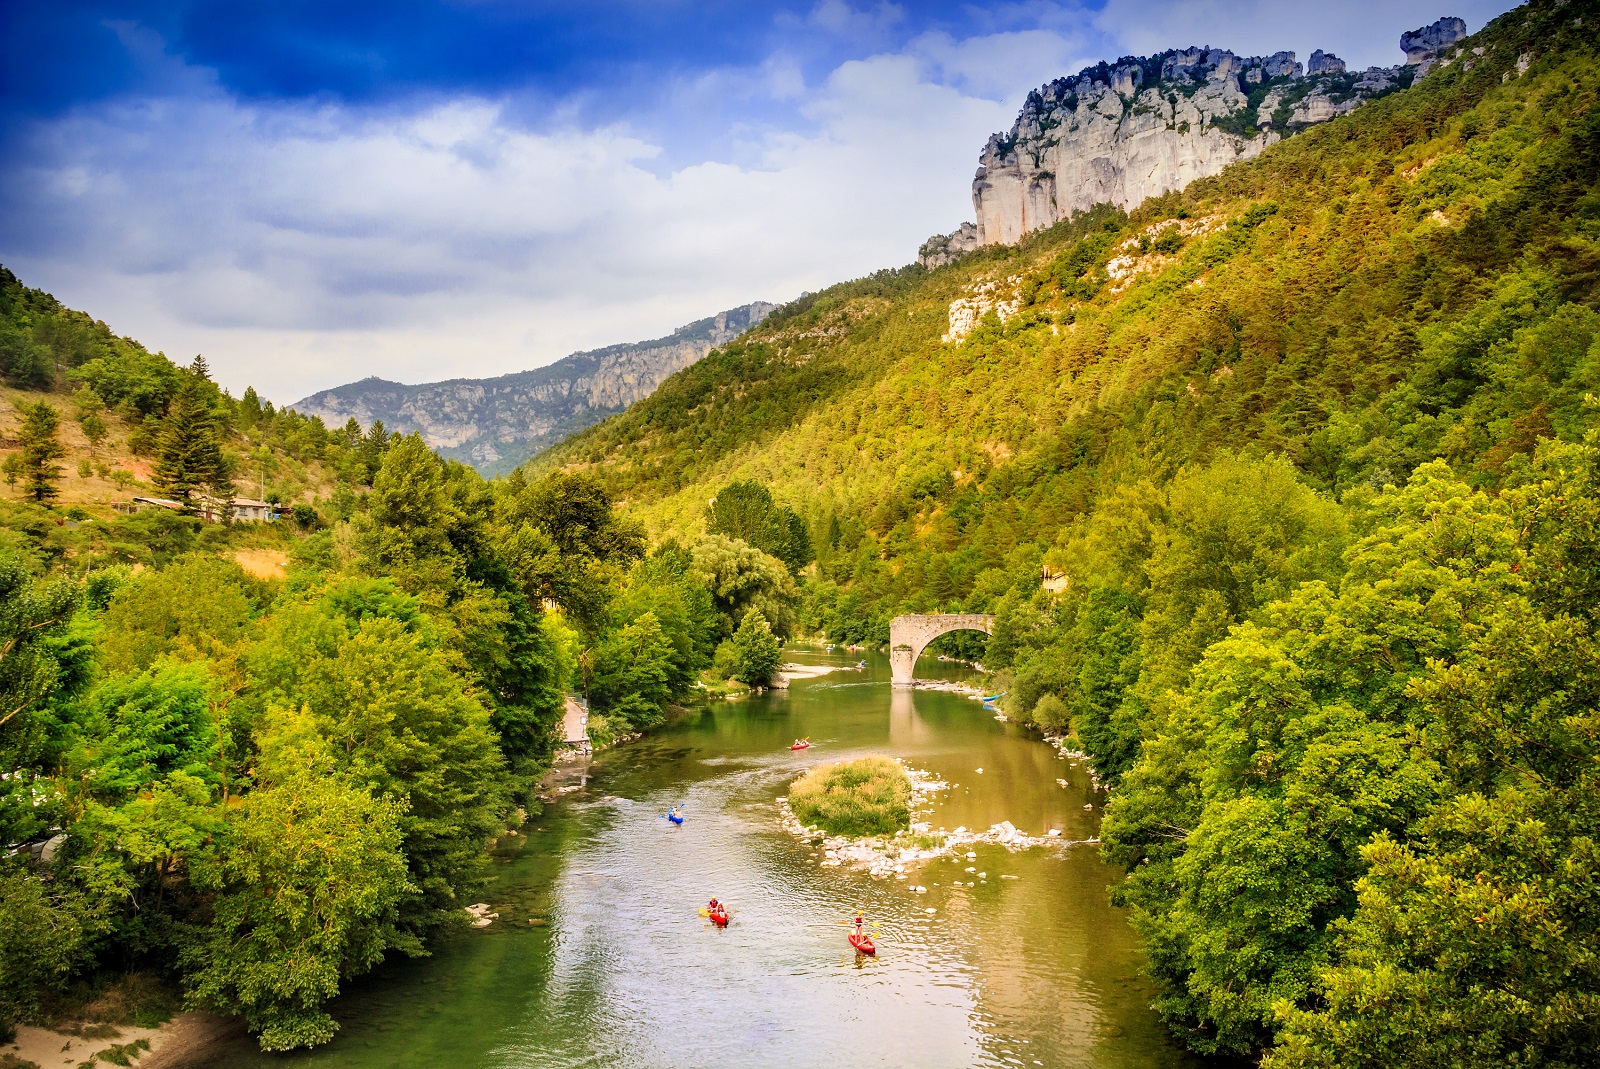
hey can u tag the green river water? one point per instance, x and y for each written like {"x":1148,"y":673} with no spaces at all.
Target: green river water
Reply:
{"x":1034,"y":971}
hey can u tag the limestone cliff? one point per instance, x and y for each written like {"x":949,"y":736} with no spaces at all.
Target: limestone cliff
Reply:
{"x":1119,"y":133}
{"x":495,"y":424}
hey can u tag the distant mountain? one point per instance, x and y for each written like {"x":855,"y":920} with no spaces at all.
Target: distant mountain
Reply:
{"x":495,"y":424}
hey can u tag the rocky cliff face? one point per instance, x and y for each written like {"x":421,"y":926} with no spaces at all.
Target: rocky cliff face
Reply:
{"x":495,"y":424}
{"x":1119,"y":133}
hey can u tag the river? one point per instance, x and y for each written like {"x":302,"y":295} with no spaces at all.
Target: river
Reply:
{"x":1026,"y":966}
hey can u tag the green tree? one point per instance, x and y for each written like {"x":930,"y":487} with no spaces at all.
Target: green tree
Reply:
{"x":404,"y":726}
{"x":740,"y":576}
{"x":37,"y":653}
{"x":249,"y":409}
{"x":745,"y":510}
{"x":564,"y":542}
{"x":1474,"y":941}
{"x":306,"y":883}
{"x":197,"y":608}
{"x":41,"y":939}
{"x":758,"y":650}
{"x":632,"y":671}
{"x":189,"y":460}
{"x":41,"y":448}
{"x":94,"y":429}
{"x":90,"y":408}
{"x":24,"y":363}
{"x":1246,"y":821}
{"x":406,"y":531}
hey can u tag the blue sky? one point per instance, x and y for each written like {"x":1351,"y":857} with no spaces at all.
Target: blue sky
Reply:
{"x":314,"y":192}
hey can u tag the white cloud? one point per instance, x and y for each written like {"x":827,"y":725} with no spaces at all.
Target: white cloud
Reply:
{"x":1003,"y":65}
{"x":301,"y":247}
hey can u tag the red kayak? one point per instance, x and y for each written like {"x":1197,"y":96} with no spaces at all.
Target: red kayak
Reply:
{"x":863,"y":943}
{"x":719,"y":918}
{"x":800,"y":746}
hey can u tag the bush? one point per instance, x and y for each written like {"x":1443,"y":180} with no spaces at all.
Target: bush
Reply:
{"x":725,"y":664}
{"x":869,"y":796}
{"x":1050,"y":715}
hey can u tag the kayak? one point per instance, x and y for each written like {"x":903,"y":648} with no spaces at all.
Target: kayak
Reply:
{"x":863,"y":943}
{"x":719,"y":918}
{"x":800,"y":746}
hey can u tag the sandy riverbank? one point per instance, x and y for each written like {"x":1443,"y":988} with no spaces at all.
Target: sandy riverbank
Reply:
{"x":790,"y":672}
{"x":184,"y":1041}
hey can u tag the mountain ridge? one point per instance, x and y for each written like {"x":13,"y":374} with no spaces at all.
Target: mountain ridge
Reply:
{"x":1124,"y":131}
{"x":498,"y":422}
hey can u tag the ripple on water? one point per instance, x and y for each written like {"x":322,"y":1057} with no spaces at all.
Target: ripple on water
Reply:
{"x":625,"y":973}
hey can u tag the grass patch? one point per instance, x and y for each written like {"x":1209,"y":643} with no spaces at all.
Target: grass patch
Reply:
{"x":121,"y":1055}
{"x":141,"y":999}
{"x":869,"y":796}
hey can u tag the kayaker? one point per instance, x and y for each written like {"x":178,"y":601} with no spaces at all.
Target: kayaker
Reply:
{"x":713,"y":906}
{"x":860,"y":921}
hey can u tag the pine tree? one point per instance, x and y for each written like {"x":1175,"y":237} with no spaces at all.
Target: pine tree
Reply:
{"x":40,"y":450}
{"x":189,"y":458}
{"x":249,"y":408}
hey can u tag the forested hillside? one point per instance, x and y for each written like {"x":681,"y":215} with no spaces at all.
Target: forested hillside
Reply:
{"x":1313,"y":443}
{"x":237,"y":787}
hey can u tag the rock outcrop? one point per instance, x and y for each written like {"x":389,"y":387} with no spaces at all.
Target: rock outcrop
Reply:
{"x":1118,"y":133}
{"x":496,"y":424}
{"x":944,"y":249}
{"x":1424,"y":46}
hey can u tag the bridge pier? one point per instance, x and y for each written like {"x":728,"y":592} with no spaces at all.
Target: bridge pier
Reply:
{"x":902,"y":665}
{"x":909,"y":636}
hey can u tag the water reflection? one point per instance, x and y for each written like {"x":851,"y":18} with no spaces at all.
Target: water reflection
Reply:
{"x":1026,"y":964}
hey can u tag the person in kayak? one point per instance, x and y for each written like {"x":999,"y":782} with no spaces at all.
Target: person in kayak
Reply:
{"x":713,"y":906}
{"x":860,"y":921}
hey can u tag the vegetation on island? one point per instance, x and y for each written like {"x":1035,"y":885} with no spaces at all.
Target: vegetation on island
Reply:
{"x":867,"y":796}
{"x":1312,"y":443}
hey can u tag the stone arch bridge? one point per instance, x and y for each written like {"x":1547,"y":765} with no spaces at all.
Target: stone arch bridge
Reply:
{"x":910,"y":635}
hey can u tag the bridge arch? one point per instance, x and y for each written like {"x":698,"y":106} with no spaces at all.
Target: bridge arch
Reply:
{"x":909,"y":636}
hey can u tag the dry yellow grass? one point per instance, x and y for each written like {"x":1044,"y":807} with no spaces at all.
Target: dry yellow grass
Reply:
{"x":263,"y":563}
{"x":97,"y":494}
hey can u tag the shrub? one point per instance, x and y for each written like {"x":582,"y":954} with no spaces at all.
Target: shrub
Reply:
{"x":1050,"y":715}
{"x":725,"y":664}
{"x":869,"y":796}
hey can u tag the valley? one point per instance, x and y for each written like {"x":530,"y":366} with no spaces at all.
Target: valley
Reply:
{"x":1247,"y":435}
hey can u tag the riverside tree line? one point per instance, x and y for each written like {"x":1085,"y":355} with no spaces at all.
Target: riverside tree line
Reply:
{"x":1316,"y":463}
{"x":259,"y":788}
